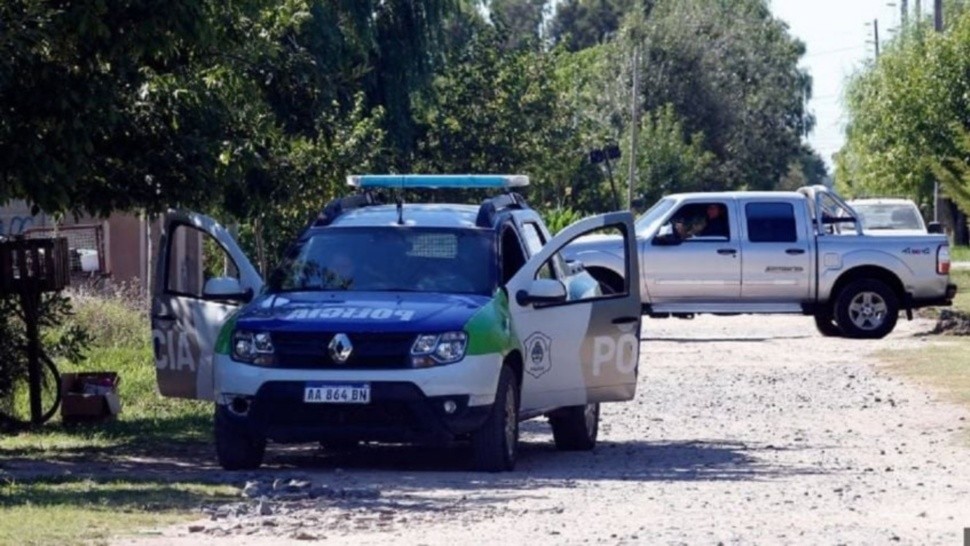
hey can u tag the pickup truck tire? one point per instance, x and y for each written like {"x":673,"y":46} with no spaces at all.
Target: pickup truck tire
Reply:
{"x":825,"y":322}
{"x":866,"y":309}
{"x":495,"y":445}
{"x":236,"y":448}
{"x":575,"y":428}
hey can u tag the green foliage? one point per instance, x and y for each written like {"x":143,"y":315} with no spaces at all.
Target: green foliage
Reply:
{"x":557,"y":219}
{"x":668,"y":160}
{"x":730,"y":70}
{"x":579,"y":24}
{"x":908,"y":116}
{"x":60,"y":339}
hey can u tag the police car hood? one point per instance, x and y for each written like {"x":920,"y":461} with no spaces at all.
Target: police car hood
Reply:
{"x":360,"y":311}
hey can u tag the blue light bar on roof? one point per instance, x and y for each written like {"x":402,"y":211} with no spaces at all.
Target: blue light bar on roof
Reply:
{"x":438,"y":180}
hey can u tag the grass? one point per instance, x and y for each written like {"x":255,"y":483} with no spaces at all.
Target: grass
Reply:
{"x":943,"y":365}
{"x":962,"y":279}
{"x":83,"y":511}
{"x":148,"y":426}
{"x":960,"y":253}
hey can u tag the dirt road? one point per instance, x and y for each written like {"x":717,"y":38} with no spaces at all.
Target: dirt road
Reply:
{"x":744,"y":430}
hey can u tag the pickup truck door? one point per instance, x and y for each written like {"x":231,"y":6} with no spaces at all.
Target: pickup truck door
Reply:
{"x":201,"y":277}
{"x":777,"y":252}
{"x":580,"y":345}
{"x":696,"y":267}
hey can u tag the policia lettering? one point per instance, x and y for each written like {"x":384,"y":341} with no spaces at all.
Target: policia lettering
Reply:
{"x":620,"y":352}
{"x":353,"y":313}
{"x":174,"y":350}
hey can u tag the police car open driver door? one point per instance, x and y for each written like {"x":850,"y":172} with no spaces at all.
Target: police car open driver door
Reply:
{"x":201,"y":277}
{"x":581,"y":339}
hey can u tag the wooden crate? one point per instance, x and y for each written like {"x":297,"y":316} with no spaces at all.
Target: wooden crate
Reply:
{"x":34,"y":265}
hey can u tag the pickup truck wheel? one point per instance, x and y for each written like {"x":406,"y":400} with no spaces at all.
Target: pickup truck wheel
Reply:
{"x":575,"y":428}
{"x":866,"y":309}
{"x":825,"y":322}
{"x":495,"y":445}
{"x":236,"y":448}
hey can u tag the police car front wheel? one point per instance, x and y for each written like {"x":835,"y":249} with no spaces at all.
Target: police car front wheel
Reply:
{"x":236,"y":448}
{"x":495,"y":445}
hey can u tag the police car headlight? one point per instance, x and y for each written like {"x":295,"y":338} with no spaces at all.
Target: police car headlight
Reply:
{"x":431,"y":349}
{"x":252,"y":347}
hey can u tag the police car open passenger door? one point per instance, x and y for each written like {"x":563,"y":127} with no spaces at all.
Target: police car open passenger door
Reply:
{"x":581,"y":344}
{"x":201,"y":277}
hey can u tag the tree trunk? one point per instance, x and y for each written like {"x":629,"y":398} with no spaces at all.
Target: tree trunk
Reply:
{"x":955,"y":222}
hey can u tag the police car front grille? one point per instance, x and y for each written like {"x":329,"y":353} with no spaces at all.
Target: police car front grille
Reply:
{"x":372,"y":350}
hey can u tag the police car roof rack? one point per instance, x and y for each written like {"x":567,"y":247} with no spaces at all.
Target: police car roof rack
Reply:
{"x":341,"y":205}
{"x":437,"y":181}
{"x":491,"y":207}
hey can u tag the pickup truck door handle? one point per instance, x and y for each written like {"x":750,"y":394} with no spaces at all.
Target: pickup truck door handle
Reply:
{"x":624,"y":320}
{"x":727,"y":251}
{"x":795,"y":251}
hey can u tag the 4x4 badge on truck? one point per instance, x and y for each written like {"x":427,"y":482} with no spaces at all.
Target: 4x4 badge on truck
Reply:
{"x":340,"y":348}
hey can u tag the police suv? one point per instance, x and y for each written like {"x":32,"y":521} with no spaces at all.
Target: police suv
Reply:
{"x":423,"y":323}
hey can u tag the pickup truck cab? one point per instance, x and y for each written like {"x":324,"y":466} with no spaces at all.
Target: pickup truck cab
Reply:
{"x":777,"y":252}
{"x":418,"y":323}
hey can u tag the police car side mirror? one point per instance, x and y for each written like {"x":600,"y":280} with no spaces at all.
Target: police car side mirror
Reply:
{"x":225,"y":288}
{"x":934,"y":227}
{"x":542,"y":291}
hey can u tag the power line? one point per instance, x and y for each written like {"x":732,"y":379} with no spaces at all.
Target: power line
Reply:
{"x":834,"y":51}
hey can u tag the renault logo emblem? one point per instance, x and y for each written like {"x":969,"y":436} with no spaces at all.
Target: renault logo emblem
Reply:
{"x":340,"y":348}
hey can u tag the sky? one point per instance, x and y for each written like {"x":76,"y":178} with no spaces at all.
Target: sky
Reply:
{"x":836,"y":33}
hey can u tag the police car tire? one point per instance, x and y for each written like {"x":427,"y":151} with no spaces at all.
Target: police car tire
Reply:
{"x":491,"y":449}
{"x":571,"y":429}
{"x":235,"y":447}
{"x":825,"y":322}
{"x":844,"y":302}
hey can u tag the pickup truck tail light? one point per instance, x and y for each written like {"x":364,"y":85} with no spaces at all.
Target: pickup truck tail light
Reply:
{"x":943,"y":260}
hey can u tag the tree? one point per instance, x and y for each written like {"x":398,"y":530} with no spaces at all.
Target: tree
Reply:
{"x":519,"y":20}
{"x":579,"y":24}
{"x":730,"y":70}
{"x":901,"y":136}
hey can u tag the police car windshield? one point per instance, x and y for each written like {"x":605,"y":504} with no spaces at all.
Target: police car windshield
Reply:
{"x":397,"y":259}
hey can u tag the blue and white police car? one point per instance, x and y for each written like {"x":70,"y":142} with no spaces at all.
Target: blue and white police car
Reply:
{"x":406,"y":322}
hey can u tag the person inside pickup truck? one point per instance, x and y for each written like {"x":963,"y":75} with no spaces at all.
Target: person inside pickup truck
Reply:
{"x":712,"y":223}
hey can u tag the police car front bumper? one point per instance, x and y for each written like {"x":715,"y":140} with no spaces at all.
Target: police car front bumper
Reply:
{"x":396,"y":412}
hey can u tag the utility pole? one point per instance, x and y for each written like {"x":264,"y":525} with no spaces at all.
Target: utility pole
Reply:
{"x":919,"y":12}
{"x":875,"y":33}
{"x":875,"y":36}
{"x":634,"y":125}
{"x":903,"y":13}
{"x":938,"y":26}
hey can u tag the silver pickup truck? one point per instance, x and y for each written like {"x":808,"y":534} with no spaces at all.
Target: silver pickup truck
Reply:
{"x":775,"y":252}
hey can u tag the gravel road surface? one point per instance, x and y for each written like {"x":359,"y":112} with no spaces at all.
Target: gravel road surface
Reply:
{"x":745,"y":429}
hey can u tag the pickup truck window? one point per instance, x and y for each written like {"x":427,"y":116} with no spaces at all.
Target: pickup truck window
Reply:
{"x":771,"y":222}
{"x":707,"y":221}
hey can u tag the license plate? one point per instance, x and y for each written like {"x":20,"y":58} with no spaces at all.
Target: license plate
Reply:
{"x":337,"y":393}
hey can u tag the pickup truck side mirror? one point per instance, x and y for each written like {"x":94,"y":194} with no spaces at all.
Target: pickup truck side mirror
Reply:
{"x":542,"y":291}
{"x":934,"y":227}
{"x":225,"y":288}
{"x":666,"y":236}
